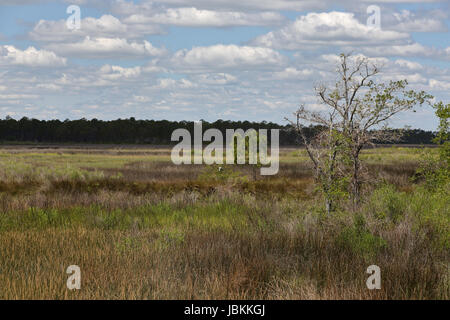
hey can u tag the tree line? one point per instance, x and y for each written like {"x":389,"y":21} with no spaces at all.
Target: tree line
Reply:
{"x":132,"y":131}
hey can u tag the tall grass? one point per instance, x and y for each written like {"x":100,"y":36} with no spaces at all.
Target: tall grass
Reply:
{"x":156,"y":231}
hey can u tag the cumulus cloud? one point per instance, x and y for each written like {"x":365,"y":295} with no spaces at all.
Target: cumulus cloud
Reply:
{"x":207,"y":79}
{"x":117,"y":72}
{"x":193,"y":17}
{"x":224,"y":4}
{"x":293,"y":73}
{"x":325,"y":29}
{"x":169,"y":83}
{"x":408,"y":21}
{"x":413,"y":78}
{"x":411,"y":65}
{"x":219,"y":79}
{"x":107,"y":26}
{"x":30,"y":57}
{"x":408,"y":50}
{"x":154,"y":66}
{"x":228,"y":56}
{"x":440,"y":85}
{"x":98,"y":48}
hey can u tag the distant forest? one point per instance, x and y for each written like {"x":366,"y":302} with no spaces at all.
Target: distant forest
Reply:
{"x":132,"y":131}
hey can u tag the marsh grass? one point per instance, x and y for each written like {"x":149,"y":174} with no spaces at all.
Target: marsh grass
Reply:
{"x":141,"y":228}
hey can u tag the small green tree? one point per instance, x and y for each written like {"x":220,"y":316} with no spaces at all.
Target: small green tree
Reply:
{"x":436,"y":172}
{"x":326,"y":149}
{"x":443,"y":136}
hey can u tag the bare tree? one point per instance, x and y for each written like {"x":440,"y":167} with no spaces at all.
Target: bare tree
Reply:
{"x":357,"y":109}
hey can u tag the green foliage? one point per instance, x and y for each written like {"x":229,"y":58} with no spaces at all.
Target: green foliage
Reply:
{"x":386,"y":203}
{"x":360,"y":241}
{"x":436,"y":171}
{"x":443,"y":137}
{"x":115,"y":219}
{"x":427,"y":209}
{"x":331,"y":170}
{"x":431,"y":209}
{"x":222,"y":215}
{"x":443,"y":113}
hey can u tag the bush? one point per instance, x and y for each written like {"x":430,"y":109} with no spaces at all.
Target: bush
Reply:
{"x":387,"y":203}
{"x":360,"y":241}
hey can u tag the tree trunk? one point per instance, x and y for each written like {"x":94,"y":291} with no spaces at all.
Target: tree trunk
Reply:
{"x":356,"y":181}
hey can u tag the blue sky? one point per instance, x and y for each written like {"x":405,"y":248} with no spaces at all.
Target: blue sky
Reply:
{"x":209,"y":59}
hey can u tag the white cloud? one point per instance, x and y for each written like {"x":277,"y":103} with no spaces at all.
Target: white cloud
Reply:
{"x":127,"y":8}
{"x":216,"y":79}
{"x":294,"y":73}
{"x":238,"y":80}
{"x":440,"y":85}
{"x":403,"y":50}
{"x":414,"y":78}
{"x":228,"y":56}
{"x":408,"y":21}
{"x":107,"y":48}
{"x":141,"y":98}
{"x":193,"y":17}
{"x":168,"y":83}
{"x":327,"y":29}
{"x":49,"y":86}
{"x":296,"y":5}
{"x":18,"y":96}
{"x":107,"y":26}
{"x":154,"y":67}
{"x":117,"y":72}
{"x":409,"y":64}
{"x":30,"y":57}
{"x":408,"y":50}
{"x":333,"y":59}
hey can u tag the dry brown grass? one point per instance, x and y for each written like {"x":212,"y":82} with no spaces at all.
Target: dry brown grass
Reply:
{"x":151,"y":230}
{"x":142,"y":264}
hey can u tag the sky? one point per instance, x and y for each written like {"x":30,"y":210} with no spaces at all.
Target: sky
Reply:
{"x":210,"y":59}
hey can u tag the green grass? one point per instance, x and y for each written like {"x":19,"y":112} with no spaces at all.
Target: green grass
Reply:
{"x":142,"y":228}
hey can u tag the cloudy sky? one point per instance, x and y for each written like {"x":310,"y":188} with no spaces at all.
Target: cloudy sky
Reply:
{"x":209,"y":59}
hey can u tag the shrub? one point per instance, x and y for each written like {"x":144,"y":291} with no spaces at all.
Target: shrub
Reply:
{"x":360,"y":241}
{"x":387,"y":203}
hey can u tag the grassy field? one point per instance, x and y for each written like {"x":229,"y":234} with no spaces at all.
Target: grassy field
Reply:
{"x":140,"y":227}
